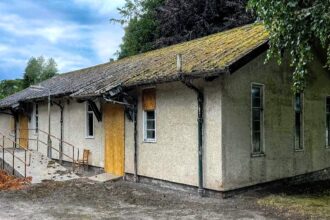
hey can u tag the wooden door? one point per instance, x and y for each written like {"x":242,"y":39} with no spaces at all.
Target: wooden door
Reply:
{"x":23,"y":131}
{"x":114,"y":128}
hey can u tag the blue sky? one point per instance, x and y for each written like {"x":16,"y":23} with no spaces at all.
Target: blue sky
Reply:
{"x":76,"y":33}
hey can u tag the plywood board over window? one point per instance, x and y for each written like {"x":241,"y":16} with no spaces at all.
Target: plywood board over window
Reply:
{"x":149,"y":99}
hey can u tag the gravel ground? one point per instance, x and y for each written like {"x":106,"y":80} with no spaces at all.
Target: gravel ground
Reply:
{"x":82,"y":199}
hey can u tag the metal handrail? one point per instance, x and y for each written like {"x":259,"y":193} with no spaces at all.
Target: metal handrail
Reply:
{"x":71,"y":145}
{"x":71,"y":158}
{"x":14,"y":156}
{"x":63,"y":142}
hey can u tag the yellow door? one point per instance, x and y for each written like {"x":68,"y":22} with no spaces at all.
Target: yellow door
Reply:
{"x":23,"y":131}
{"x":114,"y":128}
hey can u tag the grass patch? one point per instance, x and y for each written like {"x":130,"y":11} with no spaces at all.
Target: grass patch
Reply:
{"x":311,"y":205}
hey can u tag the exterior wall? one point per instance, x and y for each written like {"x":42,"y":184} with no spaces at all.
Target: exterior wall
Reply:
{"x":6,"y":127}
{"x":174,"y":155}
{"x":281,"y":160}
{"x":74,"y":127}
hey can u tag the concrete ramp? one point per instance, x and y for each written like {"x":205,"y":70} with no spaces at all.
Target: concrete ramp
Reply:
{"x":41,"y":167}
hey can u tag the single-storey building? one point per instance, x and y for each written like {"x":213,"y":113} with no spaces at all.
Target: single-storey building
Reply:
{"x":207,"y":113}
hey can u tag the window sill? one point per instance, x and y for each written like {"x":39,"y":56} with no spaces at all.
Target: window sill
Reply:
{"x":254,"y":155}
{"x":89,"y":137}
{"x":150,"y":141}
{"x":299,"y":150}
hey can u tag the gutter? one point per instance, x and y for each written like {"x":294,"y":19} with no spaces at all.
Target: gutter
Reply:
{"x":6,"y":113}
{"x":200,"y":119}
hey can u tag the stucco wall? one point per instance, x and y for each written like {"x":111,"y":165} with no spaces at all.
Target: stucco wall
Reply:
{"x":280,"y":160}
{"x":74,"y":131}
{"x":174,"y":156}
{"x":6,"y":129}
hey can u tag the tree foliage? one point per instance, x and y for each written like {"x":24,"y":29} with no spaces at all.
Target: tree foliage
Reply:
{"x":8,"y":87}
{"x":183,"y":20}
{"x":152,"y":24}
{"x":141,"y":26}
{"x":38,"y":70}
{"x":296,"y":26}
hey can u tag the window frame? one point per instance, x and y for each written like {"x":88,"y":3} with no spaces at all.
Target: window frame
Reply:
{"x":302,"y":124}
{"x":262,"y":120}
{"x":87,"y":136}
{"x":327,"y":130}
{"x":145,"y":139}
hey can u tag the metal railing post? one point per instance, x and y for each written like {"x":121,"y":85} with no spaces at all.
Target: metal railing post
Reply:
{"x":25,"y":164}
{"x":38,"y":142}
{"x":3,"y":152}
{"x":14,"y":162}
{"x":72,"y":158}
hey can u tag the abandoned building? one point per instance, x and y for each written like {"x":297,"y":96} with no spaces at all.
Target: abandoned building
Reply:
{"x":208,"y":113}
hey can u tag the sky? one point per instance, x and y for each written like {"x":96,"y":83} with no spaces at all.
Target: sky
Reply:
{"x":76,"y":33}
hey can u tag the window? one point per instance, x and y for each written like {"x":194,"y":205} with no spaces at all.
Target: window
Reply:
{"x":149,"y":115}
{"x":298,"y":129}
{"x":328,"y":121}
{"x":257,"y":118}
{"x":37,"y":118}
{"x":89,"y":122}
{"x":150,"y":126}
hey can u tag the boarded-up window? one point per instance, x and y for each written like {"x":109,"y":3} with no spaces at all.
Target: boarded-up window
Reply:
{"x":149,"y":99}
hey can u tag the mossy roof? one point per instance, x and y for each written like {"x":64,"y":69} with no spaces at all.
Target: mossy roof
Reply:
{"x":211,"y":54}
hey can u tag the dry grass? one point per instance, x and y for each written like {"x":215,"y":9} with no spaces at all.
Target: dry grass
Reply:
{"x":312,"y":206}
{"x":8,"y":182}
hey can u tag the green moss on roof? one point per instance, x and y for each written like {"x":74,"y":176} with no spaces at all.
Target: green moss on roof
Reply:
{"x":207,"y":54}
{"x":201,"y":56}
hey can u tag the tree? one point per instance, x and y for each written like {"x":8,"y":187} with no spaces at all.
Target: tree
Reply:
{"x":183,"y":20}
{"x":139,"y":18}
{"x":38,"y":70}
{"x":8,"y":87}
{"x":296,"y":26}
{"x":49,"y":69}
{"x":152,"y":24}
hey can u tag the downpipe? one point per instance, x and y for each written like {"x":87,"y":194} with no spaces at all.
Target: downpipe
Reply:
{"x":200,"y":120}
{"x":135,"y":111}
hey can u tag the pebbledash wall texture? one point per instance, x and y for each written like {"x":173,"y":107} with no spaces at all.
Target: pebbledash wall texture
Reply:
{"x":174,"y":155}
{"x":228,"y":160}
{"x":74,"y":130}
{"x":280,"y":159}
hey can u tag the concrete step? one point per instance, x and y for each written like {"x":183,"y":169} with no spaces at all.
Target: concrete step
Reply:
{"x":41,"y":167}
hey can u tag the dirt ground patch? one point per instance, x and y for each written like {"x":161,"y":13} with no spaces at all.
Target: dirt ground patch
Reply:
{"x":310,"y":200}
{"x":8,"y":182}
{"x":83,"y":199}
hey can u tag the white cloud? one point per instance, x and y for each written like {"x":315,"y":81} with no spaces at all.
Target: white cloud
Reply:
{"x":103,"y":7}
{"x":105,"y":42}
{"x":72,"y":44}
{"x":3,"y":48}
{"x":53,"y":31}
